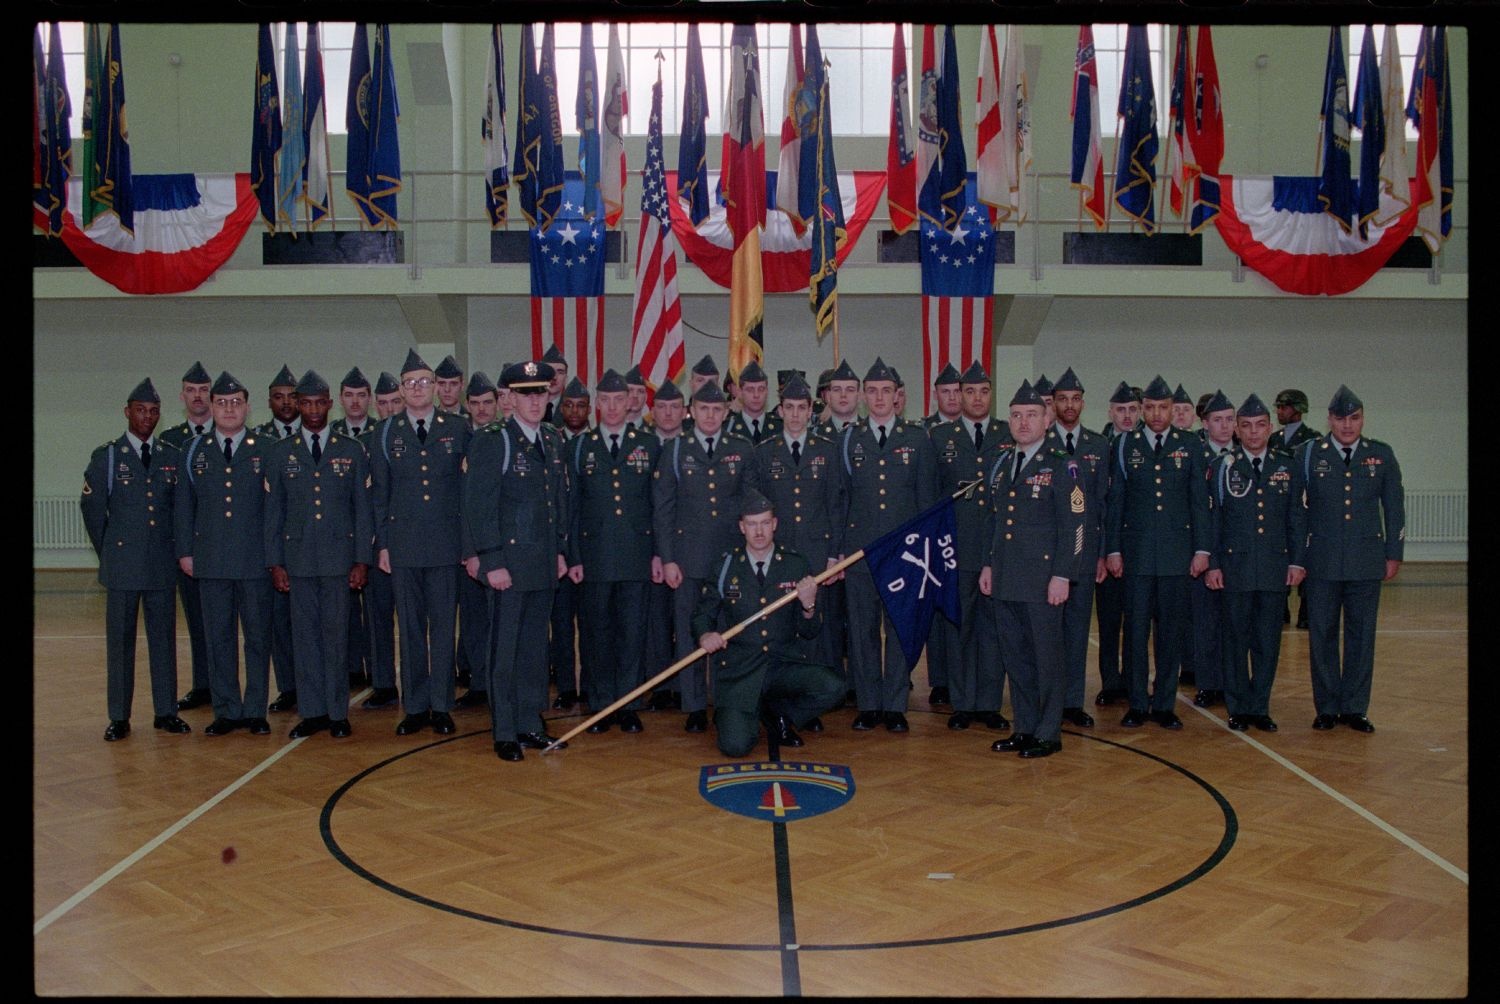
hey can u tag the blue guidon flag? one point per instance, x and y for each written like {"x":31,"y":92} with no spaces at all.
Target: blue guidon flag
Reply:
{"x":776,"y":791}
{"x":915,"y":567}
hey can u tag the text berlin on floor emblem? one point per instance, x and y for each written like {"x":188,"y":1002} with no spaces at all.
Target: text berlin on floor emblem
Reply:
{"x":776,"y":791}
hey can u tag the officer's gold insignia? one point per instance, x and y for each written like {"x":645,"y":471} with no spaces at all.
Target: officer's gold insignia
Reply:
{"x":1075,"y":500}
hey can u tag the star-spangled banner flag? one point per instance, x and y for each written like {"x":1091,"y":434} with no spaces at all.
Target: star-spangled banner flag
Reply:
{"x":293,"y":160}
{"x":958,"y":293}
{"x":316,"y":175}
{"x":1179,"y":147}
{"x":900,"y":160}
{"x":586,"y":121}
{"x":915,"y":567}
{"x":1205,"y":133}
{"x":1369,"y":117}
{"x":656,"y":343}
{"x":567,"y":286}
{"x":616,"y":108}
{"x":1135,"y":169}
{"x":692,"y":147}
{"x":789,"y":159}
{"x":1395,"y":167}
{"x":1336,"y":190}
{"x":492,"y":132}
{"x":265,"y":138}
{"x":1088,"y":156}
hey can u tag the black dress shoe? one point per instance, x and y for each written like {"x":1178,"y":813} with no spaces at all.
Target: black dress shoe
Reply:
{"x":895,"y":721}
{"x":939,"y":695}
{"x":1013,"y":743}
{"x":195,"y":698}
{"x":1166,"y":719}
{"x":697,"y":721}
{"x":867,"y":720}
{"x":380,"y":697}
{"x":995,"y":720}
{"x":1078,"y":717}
{"x":661,"y":701}
{"x":537,"y":740}
{"x":442,"y":723}
{"x":1109,"y":696}
{"x":1324,"y":722}
{"x":602,"y":725}
{"x":629,"y":721}
{"x":1187,"y":678}
{"x":309,"y":727}
{"x":464,"y":679}
{"x":850,"y":701}
{"x":412,"y":724}
{"x":221,"y":727}
{"x":257,"y":726}
{"x":1265,"y":723}
{"x":176,"y":726}
{"x":340,"y":729}
{"x":285,"y":701}
{"x":117,"y":730}
{"x":1041,"y":748}
{"x":958,"y":721}
{"x":1204,"y":699}
{"x":1359,"y":723}
{"x":473,"y":699}
{"x":564,"y":700}
{"x":1133,"y":719}
{"x":509,"y":751}
{"x":356,"y":680}
{"x":783,"y":732}
{"x":1240,"y":723}
{"x":816,"y":725}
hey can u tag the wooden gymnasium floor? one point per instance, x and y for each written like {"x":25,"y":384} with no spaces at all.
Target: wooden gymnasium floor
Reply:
{"x":1136,"y":863}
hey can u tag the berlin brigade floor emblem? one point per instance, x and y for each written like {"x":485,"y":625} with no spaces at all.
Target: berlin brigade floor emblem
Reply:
{"x":777,"y":791}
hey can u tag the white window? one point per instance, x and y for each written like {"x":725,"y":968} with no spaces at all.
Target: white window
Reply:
{"x":335,"y":42}
{"x":1408,"y":37}
{"x":1109,"y":53}
{"x":71,"y":33}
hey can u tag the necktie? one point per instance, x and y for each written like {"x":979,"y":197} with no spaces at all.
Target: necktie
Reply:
{"x":614,"y":445}
{"x":228,"y":450}
{"x":1158,"y":442}
{"x":537,"y":442}
{"x":797,"y":452}
{"x":1255,"y":463}
{"x":286,"y":431}
{"x":710,"y":441}
{"x":146,"y":455}
{"x":1020,"y":462}
{"x":1348,"y":455}
{"x":1070,"y":444}
{"x":978,"y":438}
{"x":421,"y":430}
{"x":198,"y":429}
{"x":881,"y":438}
{"x":760,"y":572}
{"x":317,"y":449}
{"x":755,"y":429}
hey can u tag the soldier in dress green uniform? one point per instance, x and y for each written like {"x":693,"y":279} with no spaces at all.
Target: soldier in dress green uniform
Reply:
{"x":482,"y":403}
{"x":379,"y":594}
{"x":767,"y":672}
{"x":219,"y":519}
{"x":754,"y":420}
{"x":1036,"y":552}
{"x":450,"y":387}
{"x":1356,"y":539}
{"x":947,"y":397}
{"x":554,"y":358}
{"x":1043,"y":387}
{"x":1291,"y":405}
{"x":1109,"y":593}
{"x":354,"y":401}
{"x":1184,"y":411}
{"x":196,"y":384}
{"x":572,"y":679}
{"x":704,"y":371}
{"x":638,"y":399}
{"x":1203,"y":651}
{"x":891,"y":470}
{"x":318,"y":533}
{"x":1156,"y":537}
{"x":613,"y":560}
{"x":516,"y":508}
{"x":126,"y":504}
{"x":964,"y":662}
{"x":1260,"y":538}
{"x":843,"y":402}
{"x":284,"y":423}
{"x":667,"y":412}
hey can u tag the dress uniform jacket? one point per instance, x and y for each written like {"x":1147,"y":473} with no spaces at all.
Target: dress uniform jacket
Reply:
{"x":276,"y":429}
{"x":128,"y":513}
{"x":1304,"y":434}
{"x":1157,"y":514}
{"x":1038,"y":526}
{"x":1259,"y":525}
{"x":1091,"y":454}
{"x":379,"y":607}
{"x":416,"y":489}
{"x":1356,"y":514}
{"x":180,"y":435}
{"x":738,"y":425}
{"x":219,"y":515}
{"x":808,"y":495}
{"x":696,"y":500}
{"x":341,"y":426}
{"x":613,"y":536}
{"x":192,"y":610}
{"x":319,"y":521}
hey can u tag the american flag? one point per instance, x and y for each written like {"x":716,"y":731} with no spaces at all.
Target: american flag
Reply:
{"x":656,"y":326}
{"x":567,"y":287}
{"x":958,"y":287}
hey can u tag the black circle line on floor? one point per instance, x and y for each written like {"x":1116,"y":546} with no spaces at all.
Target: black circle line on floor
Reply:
{"x":1225,"y":844}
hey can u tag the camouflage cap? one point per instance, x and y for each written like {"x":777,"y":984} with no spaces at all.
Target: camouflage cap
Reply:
{"x":1293,"y":398}
{"x":824,"y":379}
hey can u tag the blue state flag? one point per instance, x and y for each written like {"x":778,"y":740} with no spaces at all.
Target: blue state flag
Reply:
{"x":586,"y":119}
{"x":692,"y":149}
{"x":1135,"y":170}
{"x":385,"y":146}
{"x":293,"y":141}
{"x":915,"y":567}
{"x":828,"y":231}
{"x":942,"y":198}
{"x":265,"y":140}
{"x":1336,"y":187}
{"x":357,"y":121}
{"x":1369,"y":116}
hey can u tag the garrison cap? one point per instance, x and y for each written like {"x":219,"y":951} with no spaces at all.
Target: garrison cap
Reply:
{"x":1218,"y":402}
{"x":413,"y":363}
{"x":706,"y":367}
{"x":1293,"y":398}
{"x":796,"y":389}
{"x":896,"y":376}
{"x":974,"y":374}
{"x":633,"y":378}
{"x":755,"y":503}
{"x":144,"y":391}
{"x":948,"y":376}
{"x":1027,"y":394}
{"x":284,"y":378}
{"x":387,"y":383}
{"x":1345,"y":403}
{"x":1068,"y":381}
{"x":752,"y":373}
{"x":575,"y":391}
{"x":1124,"y":394}
{"x":1180,"y":395}
{"x":1252,"y":408}
{"x":311,"y":384}
{"x":520,"y":376}
{"x":611,"y":382}
{"x":1043,"y":386}
{"x":227,"y":384}
{"x":479,"y":384}
{"x":709,"y":393}
{"x":554,"y":356}
{"x":197,"y":374}
{"x":1157,"y":390}
{"x":354,"y":378}
{"x":448,"y":369}
{"x":878,"y":371}
{"x":824,"y":379}
{"x":783,"y":377}
{"x":669,"y":391}
{"x":843,"y":372}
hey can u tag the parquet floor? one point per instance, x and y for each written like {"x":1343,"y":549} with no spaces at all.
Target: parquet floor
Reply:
{"x":1135,"y":863}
